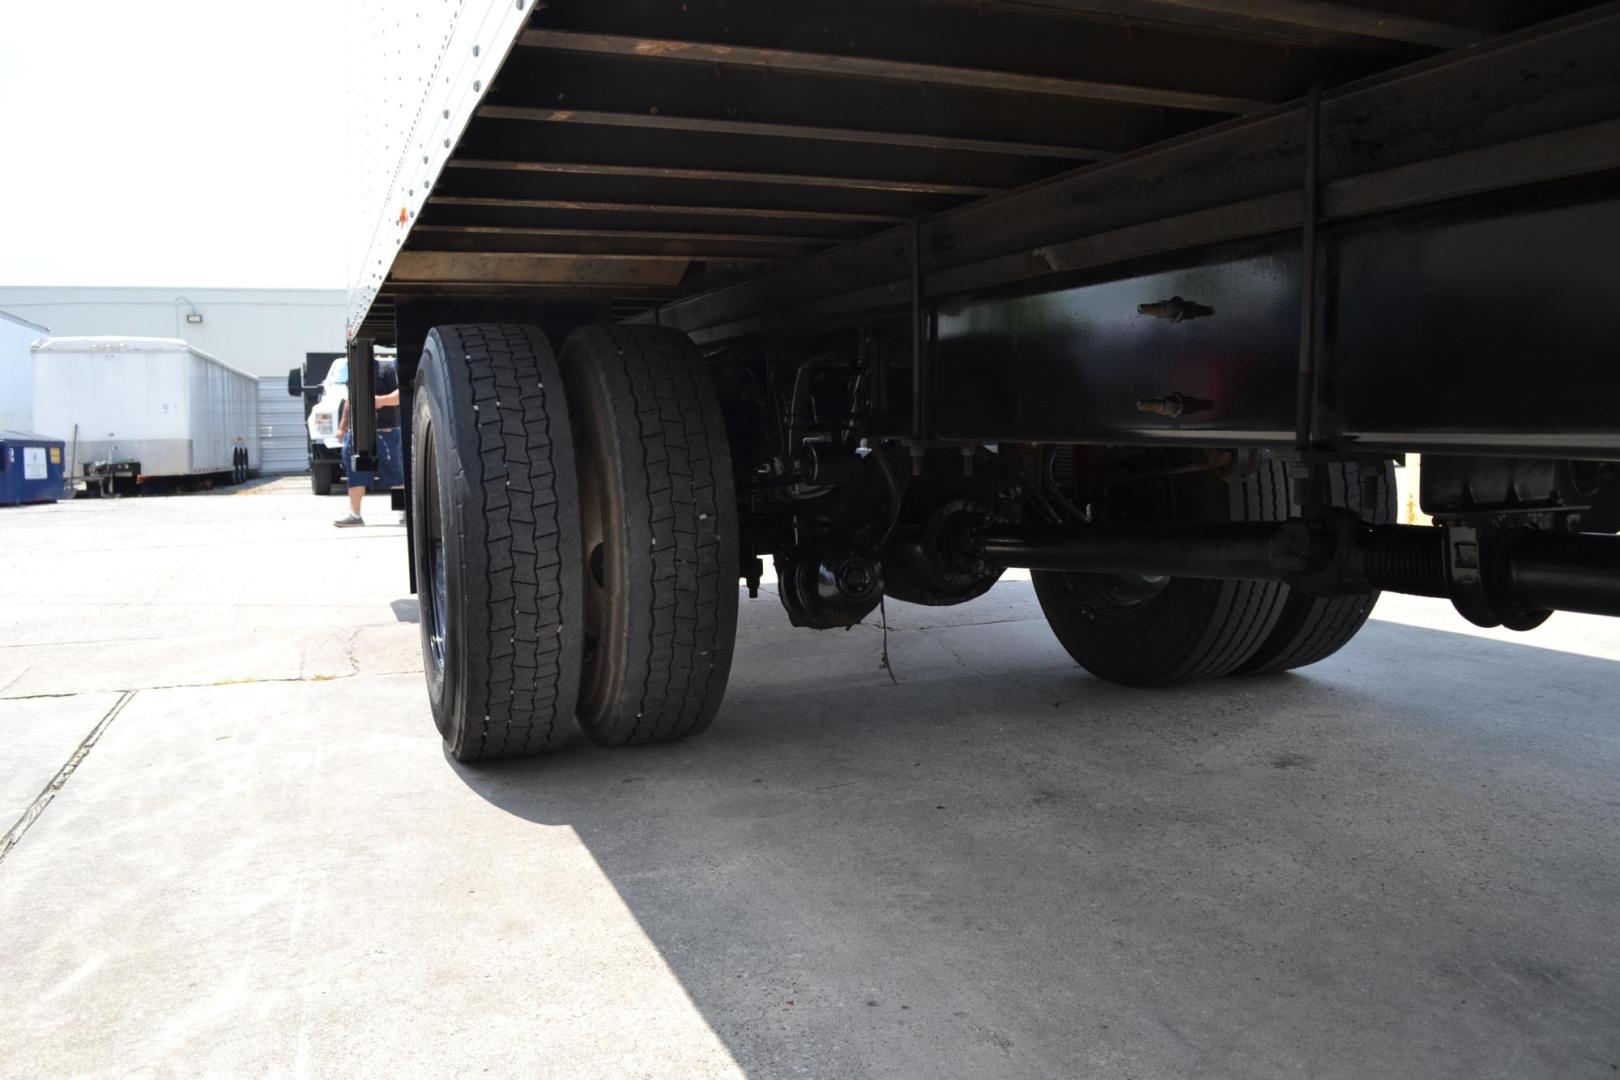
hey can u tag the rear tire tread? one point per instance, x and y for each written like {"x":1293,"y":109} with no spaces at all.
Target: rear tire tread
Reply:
{"x":515,"y":447}
{"x":1313,"y":628}
{"x":1251,"y":612}
{"x":521,"y":671}
{"x":675,"y":465}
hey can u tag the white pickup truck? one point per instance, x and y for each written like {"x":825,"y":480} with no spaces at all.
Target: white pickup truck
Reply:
{"x":326,"y":466}
{"x":325,"y":444}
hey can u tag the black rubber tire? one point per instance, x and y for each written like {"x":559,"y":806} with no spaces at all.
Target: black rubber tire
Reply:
{"x":659,"y":550}
{"x":494,"y":490}
{"x":320,"y":478}
{"x":1190,"y":628}
{"x":1313,"y":628}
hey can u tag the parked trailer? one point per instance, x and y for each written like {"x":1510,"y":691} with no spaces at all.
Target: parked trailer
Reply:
{"x":1148,"y":296}
{"x":132,"y":408}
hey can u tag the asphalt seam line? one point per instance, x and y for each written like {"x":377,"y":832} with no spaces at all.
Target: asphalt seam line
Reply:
{"x":37,"y":807}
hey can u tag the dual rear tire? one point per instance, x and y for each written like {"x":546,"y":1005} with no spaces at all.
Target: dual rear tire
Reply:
{"x":1161,"y":631}
{"x":575,"y":537}
{"x":1312,"y":628}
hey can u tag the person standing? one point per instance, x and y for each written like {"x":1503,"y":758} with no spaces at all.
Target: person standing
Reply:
{"x":390,"y":462}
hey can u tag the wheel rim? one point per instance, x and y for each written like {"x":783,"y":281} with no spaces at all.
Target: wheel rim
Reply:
{"x":1117,"y":596}
{"x":437,"y":610}
{"x":1122,"y":597}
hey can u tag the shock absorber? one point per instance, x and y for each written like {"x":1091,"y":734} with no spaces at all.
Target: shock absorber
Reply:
{"x":1399,"y":558}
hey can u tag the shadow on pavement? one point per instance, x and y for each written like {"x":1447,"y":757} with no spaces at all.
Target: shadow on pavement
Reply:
{"x":1401,"y":863}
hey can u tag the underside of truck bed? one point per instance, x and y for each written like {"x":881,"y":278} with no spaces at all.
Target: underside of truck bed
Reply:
{"x":631,"y":153}
{"x":1150,"y":297}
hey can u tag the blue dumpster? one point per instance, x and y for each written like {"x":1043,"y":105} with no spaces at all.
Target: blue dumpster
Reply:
{"x":30,"y":468}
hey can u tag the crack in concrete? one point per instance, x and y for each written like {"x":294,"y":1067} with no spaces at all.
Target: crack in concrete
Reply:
{"x":43,"y":799}
{"x":249,"y":681}
{"x":960,"y":661}
{"x":348,"y":651}
{"x":954,"y":626}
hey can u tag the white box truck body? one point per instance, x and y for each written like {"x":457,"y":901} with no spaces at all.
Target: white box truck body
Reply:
{"x":174,"y":409}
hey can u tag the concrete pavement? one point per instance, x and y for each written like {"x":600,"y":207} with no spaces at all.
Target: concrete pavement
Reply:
{"x":1402,"y":862}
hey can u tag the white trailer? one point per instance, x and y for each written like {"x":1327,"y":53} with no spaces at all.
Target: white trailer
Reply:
{"x":157,"y":403}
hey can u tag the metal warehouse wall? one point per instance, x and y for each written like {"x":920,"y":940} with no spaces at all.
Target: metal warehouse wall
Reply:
{"x":283,"y":439}
{"x":17,"y":372}
{"x":261,"y":331}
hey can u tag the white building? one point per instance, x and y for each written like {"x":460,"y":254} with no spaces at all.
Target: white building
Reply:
{"x":262,"y":331}
{"x":17,"y":371}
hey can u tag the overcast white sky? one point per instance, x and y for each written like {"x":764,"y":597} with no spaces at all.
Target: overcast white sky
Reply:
{"x":172,"y":142}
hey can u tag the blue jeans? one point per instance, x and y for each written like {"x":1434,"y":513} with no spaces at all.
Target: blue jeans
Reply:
{"x":390,"y":462}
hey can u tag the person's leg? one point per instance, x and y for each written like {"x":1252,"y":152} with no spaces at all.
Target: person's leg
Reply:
{"x":358,"y":482}
{"x":391,"y":461}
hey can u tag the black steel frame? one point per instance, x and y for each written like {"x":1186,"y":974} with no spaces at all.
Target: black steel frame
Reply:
{"x":1482,"y":181}
{"x":361,"y":390}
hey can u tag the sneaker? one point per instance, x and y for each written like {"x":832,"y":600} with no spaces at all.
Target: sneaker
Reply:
{"x":349,"y":521}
